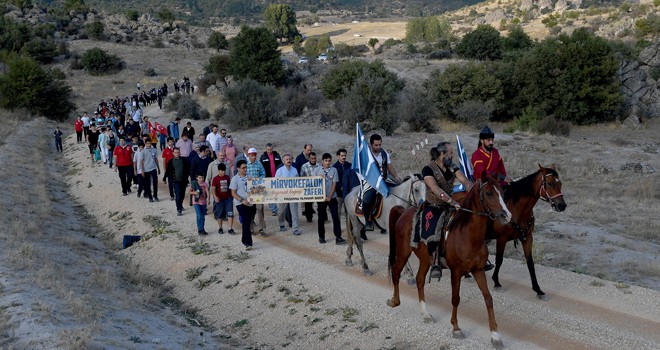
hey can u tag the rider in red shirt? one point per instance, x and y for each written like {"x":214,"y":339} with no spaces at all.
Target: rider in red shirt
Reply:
{"x":486,"y":157}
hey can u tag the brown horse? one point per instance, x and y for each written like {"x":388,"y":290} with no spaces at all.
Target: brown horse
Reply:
{"x":464,"y":246}
{"x":520,"y":197}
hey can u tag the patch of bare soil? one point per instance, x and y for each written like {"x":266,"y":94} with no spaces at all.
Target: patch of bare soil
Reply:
{"x":62,"y":287}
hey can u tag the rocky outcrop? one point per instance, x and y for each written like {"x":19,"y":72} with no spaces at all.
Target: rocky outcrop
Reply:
{"x":641,"y":92}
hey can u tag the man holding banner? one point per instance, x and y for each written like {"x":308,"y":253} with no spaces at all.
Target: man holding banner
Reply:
{"x":373,"y":165}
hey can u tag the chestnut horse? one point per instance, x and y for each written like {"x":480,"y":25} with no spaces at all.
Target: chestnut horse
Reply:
{"x":520,"y":197}
{"x":464,"y":247}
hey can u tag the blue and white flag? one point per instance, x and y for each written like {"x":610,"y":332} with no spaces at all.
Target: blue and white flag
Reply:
{"x":365,"y":165}
{"x":464,"y":163}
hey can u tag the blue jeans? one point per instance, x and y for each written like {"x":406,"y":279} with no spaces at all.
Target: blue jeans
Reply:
{"x":200,"y":210}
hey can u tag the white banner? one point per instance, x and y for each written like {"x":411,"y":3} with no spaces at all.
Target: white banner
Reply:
{"x":286,"y":190}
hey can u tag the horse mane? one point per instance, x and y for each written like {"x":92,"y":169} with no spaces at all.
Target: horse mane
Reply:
{"x":525,"y":186}
{"x":462,"y":216}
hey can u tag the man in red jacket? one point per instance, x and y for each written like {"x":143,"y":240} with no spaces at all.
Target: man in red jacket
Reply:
{"x":486,"y":157}
{"x":123,"y":161}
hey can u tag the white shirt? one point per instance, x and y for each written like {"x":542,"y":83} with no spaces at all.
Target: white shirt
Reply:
{"x":85,"y":120}
{"x":212,"y":139}
{"x":284,"y":172}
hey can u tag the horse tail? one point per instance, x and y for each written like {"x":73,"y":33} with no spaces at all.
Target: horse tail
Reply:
{"x":395,"y":214}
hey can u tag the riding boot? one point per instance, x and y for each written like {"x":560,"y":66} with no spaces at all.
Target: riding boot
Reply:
{"x":489,"y":266}
{"x":367,"y":208}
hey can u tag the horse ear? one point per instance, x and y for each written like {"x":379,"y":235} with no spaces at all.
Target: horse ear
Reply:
{"x":540,"y":166}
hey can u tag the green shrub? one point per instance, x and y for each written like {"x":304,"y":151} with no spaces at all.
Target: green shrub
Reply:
{"x":427,"y":29}
{"x":188,"y":107}
{"x":95,"y":30}
{"x":172,"y":103}
{"x":474,"y":113}
{"x":344,"y":50}
{"x":292,"y":101}
{"x":24,"y":84}
{"x":416,"y":108}
{"x":550,"y":125}
{"x":527,"y":120}
{"x":217,"y":41}
{"x":132,"y":15}
{"x":254,"y":55}
{"x":96,"y":61}
{"x":157,"y":43}
{"x":42,"y":50}
{"x":483,"y":43}
{"x":391,"y":42}
{"x":165,"y":15}
{"x":251,"y":104}
{"x":150,"y":72}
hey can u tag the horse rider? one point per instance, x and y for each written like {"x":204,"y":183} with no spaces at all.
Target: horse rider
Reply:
{"x":486,"y":157}
{"x":439,"y":176}
{"x":384,"y":163}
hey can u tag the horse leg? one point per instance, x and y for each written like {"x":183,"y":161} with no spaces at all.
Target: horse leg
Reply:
{"x":401,"y":260}
{"x":424,"y":265}
{"x":499,"y":259}
{"x":365,"y":268}
{"x":351,"y":238}
{"x":527,"y":249}
{"x":495,"y":339}
{"x":409,"y":272}
{"x":455,"y":300}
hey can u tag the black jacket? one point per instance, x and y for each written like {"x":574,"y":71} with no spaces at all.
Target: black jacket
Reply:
{"x":169,"y":170}
{"x":341,"y":169}
{"x":265,"y":161}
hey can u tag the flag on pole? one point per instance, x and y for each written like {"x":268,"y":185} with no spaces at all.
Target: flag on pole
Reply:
{"x":464,"y":163}
{"x":365,"y":165}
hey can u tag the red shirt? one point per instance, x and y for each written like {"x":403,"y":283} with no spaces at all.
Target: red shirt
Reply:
{"x":220,"y":186}
{"x":124,"y":155}
{"x":78,"y":125}
{"x":167,"y":155}
{"x":492,"y":163}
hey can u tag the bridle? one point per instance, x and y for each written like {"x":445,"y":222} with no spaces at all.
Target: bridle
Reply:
{"x":487,"y":212}
{"x":543,"y":192}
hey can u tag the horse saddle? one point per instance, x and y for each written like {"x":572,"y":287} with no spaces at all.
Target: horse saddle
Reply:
{"x":375,"y":213}
{"x":428,"y":224}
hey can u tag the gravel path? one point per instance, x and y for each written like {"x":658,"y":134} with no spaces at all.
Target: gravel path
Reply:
{"x":294,"y":292}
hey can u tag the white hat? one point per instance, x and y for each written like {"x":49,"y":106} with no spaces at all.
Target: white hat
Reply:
{"x":252,"y":150}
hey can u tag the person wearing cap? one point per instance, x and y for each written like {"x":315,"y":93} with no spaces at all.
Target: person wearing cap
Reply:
{"x":487,"y":157}
{"x":256,"y":170}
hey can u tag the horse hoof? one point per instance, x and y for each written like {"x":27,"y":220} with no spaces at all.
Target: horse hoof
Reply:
{"x":542,"y":297}
{"x":429,"y":319}
{"x":458,"y":334}
{"x":383,"y":231}
{"x":497,"y":343}
{"x":349,"y":263}
{"x":497,"y":285}
{"x":411,"y":281}
{"x":391,"y":303}
{"x":367,"y":272}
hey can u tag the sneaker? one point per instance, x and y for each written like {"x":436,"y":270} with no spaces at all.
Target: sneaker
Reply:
{"x":436,"y":271}
{"x":129,"y":191}
{"x":231,"y":231}
{"x":262,"y":233}
{"x":322,"y":241}
{"x":282,"y":228}
{"x":489,"y":266}
{"x":274,"y":213}
{"x":171,"y":198}
{"x":296,"y":232}
{"x":156,"y":199}
{"x":124,"y":194}
{"x":202,"y":233}
{"x":369,"y":226}
{"x":248,"y":247}
{"x":151,"y":200}
{"x":221,"y":231}
{"x":179,"y":213}
{"x":340,"y":241}
{"x":139,"y":194}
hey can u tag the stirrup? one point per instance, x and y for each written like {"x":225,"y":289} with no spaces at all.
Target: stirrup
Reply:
{"x":436,"y":272}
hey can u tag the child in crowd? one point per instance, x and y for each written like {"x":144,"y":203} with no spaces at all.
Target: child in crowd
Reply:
{"x":223,"y":206}
{"x":199,"y":189}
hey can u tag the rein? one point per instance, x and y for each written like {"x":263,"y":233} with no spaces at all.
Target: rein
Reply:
{"x":411,"y":194}
{"x":489,"y":213}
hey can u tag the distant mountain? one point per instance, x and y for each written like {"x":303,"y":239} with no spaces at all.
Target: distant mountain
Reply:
{"x":197,"y":11}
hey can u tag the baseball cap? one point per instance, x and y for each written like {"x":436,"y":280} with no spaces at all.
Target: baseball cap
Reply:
{"x":252,"y":150}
